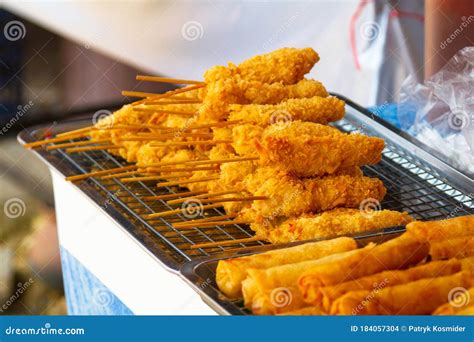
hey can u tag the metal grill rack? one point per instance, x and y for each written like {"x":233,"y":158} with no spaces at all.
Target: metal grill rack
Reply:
{"x":416,"y":182}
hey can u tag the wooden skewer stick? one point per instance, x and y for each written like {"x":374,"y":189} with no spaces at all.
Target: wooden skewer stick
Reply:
{"x":150,"y":178}
{"x":165,"y":136}
{"x":206,"y":195}
{"x":221,"y":161}
{"x":164,"y":111}
{"x":207,"y":219}
{"x":168,"y":196}
{"x":100,"y":173}
{"x":197,"y":142}
{"x":92,"y":148}
{"x":54,"y":140}
{"x":211,"y":224}
{"x":79,"y":130}
{"x":176,"y":91}
{"x":77,"y":143}
{"x":177,"y":102}
{"x":234,"y":199}
{"x":180,"y":211}
{"x":166,"y":80}
{"x":121,"y":174}
{"x":167,"y":170}
{"x":225,"y":243}
{"x":197,"y":180}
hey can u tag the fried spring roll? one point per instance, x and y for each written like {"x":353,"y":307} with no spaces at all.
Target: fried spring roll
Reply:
{"x":397,"y":253}
{"x":461,"y":247}
{"x":315,"y":109}
{"x":273,"y":290}
{"x":336,"y":222}
{"x":306,"y":151}
{"x":323,"y":297}
{"x":420,"y":297}
{"x":458,"y":304}
{"x":231,"y":272}
{"x":444,"y":229}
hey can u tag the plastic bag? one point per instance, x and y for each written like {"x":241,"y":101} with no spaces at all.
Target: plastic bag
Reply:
{"x":440,"y":112}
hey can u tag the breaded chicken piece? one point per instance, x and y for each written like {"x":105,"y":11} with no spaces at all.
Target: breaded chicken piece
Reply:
{"x":218,"y":95}
{"x":336,"y":222}
{"x":291,"y":196}
{"x":315,"y":109}
{"x":307,"y":149}
{"x":244,"y":137}
{"x":286,"y":65}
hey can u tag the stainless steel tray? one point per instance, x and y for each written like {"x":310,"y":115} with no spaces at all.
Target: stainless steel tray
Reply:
{"x":201,"y":274}
{"x":416,"y":182}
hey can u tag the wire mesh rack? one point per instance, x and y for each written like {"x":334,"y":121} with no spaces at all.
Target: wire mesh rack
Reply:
{"x":417,"y":183}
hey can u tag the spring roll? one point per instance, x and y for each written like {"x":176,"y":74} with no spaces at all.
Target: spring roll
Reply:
{"x":467,"y":264}
{"x":420,"y":297}
{"x":397,"y":253}
{"x":458,"y":304}
{"x":444,"y":229}
{"x":461,"y":247}
{"x":323,"y":297}
{"x":273,"y":290}
{"x":231,"y":272}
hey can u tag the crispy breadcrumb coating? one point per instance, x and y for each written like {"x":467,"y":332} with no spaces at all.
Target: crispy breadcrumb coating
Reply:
{"x":302,"y":148}
{"x":315,"y":109}
{"x":336,"y":222}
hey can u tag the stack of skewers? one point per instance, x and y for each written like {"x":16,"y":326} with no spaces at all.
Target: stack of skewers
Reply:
{"x":252,"y":138}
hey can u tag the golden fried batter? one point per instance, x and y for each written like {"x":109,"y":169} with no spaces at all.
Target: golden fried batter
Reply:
{"x":304,"y":149}
{"x":336,"y":222}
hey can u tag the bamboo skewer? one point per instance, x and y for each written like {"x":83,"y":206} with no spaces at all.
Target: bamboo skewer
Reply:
{"x":234,"y":199}
{"x":204,"y":179}
{"x":225,"y":243}
{"x":164,"y":111}
{"x":197,"y":142}
{"x":150,"y":178}
{"x":180,"y":211}
{"x":79,"y":130}
{"x":169,"y":196}
{"x":166,"y":80}
{"x":76,"y":143}
{"x":92,"y":148}
{"x":118,"y":175}
{"x":206,"y":195}
{"x":100,"y":173}
{"x":207,"y":219}
{"x":176,"y":91}
{"x":165,"y":136}
{"x":221,"y":161}
{"x":210,"y":224}
{"x":167,"y":170}
{"x":54,"y":140}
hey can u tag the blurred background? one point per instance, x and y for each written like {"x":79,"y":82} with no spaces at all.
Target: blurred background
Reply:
{"x":62,"y":59}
